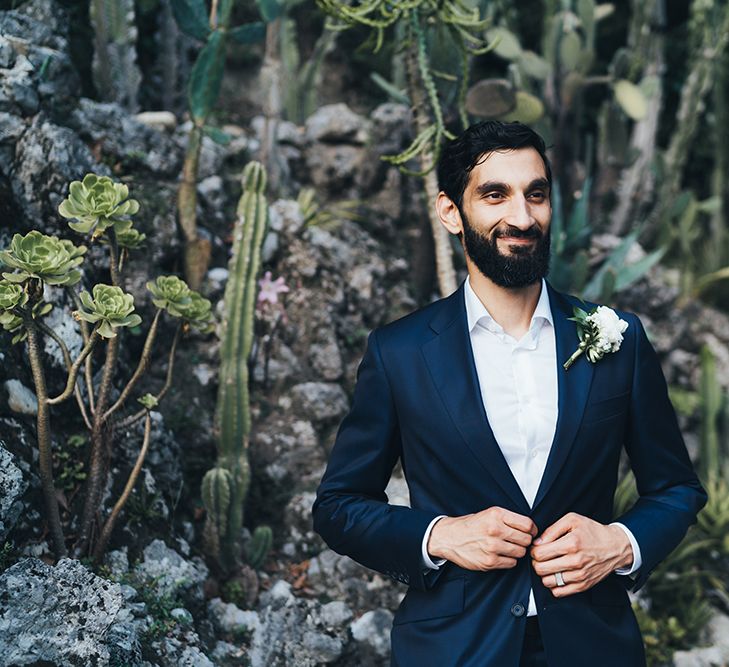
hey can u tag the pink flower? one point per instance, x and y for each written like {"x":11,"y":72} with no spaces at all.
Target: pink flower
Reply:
{"x":270,"y":289}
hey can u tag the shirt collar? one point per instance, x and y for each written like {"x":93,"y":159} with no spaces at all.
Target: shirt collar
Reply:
{"x":477,"y":313}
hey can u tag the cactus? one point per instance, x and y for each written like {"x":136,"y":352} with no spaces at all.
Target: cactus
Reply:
{"x":232,"y":414}
{"x":116,"y":73}
{"x":204,"y":87}
{"x":259,"y":546}
{"x":712,"y":408}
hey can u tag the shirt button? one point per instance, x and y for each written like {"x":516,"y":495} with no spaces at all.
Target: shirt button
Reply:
{"x":518,"y":609}
{"x":534,"y":453}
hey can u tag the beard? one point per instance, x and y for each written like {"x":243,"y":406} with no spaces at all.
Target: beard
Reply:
{"x":524,"y":265}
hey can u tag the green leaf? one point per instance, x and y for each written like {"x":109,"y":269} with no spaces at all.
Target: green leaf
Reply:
{"x":570,"y":49}
{"x":629,"y":274}
{"x":490,"y":98}
{"x":207,"y":73}
{"x":217,"y":135}
{"x":270,"y":9}
{"x":191,"y":17}
{"x":506,"y":43}
{"x":631,"y":99}
{"x":395,"y":93}
{"x":534,"y":66}
{"x":249,"y":33}
{"x":529,"y":109}
{"x":604,"y":10}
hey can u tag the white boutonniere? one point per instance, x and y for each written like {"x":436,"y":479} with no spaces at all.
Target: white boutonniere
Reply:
{"x":600,"y":332}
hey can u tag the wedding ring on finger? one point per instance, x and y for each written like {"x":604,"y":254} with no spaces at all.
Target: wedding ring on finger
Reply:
{"x":558,"y":577}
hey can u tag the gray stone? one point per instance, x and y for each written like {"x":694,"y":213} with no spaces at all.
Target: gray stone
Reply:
{"x":319,"y":401}
{"x":58,"y":614}
{"x":47,"y":159}
{"x":170,"y":574}
{"x":227,"y":617}
{"x":12,"y":487}
{"x":335,"y":613}
{"x":373,"y":628}
{"x":122,"y":137}
{"x":285,"y":216}
{"x":334,"y":168}
{"x":336,"y":123}
{"x":21,"y":399}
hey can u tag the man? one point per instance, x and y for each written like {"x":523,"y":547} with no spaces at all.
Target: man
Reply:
{"x":509,"y":547}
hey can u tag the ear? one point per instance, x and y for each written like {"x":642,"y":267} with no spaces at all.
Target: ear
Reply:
{"x":448,"y":213}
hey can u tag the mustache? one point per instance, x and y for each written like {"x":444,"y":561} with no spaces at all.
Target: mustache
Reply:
{"x":531,"y":233}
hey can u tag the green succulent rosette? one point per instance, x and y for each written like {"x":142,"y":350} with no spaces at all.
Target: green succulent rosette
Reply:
{"x":198,"y":312}
{"x":47,"y":258}
{"x":130,"y":239}
{"x":14,"y":324}
{"x":97,"y":203}
{"x":148,"y":401}
{"x":12,"y":295}
{"x":170,"y":293}
{"x":111,"y":306}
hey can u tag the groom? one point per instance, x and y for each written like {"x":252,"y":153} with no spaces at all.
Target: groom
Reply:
{"x":509,"y":547}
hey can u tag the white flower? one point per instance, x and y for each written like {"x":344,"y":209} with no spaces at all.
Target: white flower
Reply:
{"x":610,"y":328}
{"x":600,"y":332}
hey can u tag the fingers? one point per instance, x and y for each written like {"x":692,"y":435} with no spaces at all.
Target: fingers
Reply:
{"x":519,"y":521}
{"x":547,"y":570}
{"x":567,"y":523}
{"x":567,"y":544}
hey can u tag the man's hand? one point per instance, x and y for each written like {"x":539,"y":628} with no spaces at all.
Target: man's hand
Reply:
{"x":491,"y":539}
{"x":583,"y":550}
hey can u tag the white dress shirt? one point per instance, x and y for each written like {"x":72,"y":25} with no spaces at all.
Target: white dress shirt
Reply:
{"x":519,"y":392}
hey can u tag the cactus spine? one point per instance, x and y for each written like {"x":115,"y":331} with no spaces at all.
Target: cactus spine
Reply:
{"x":232,"y":414}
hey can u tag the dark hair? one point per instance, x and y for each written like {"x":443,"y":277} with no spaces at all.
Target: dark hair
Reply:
{"x":463,"y":153}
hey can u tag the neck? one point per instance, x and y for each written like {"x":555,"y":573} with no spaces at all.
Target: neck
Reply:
{"x":511,"y":307}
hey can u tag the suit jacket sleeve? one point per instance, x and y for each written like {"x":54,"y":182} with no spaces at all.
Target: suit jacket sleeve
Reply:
{"x":670,"y":494}
{"x":351,"y":512}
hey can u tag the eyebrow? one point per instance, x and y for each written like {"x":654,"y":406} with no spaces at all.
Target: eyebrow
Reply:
{"x":497,"y":186}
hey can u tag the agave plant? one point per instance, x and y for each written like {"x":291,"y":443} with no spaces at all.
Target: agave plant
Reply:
{"x":97,"y":203}
{"x":46,"y":258}
{"x":110,"y":306}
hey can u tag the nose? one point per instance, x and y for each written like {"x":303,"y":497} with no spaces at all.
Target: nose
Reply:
{"x":521,"y":215}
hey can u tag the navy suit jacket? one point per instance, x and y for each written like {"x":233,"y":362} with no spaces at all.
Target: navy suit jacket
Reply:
{"x":417,"y":399}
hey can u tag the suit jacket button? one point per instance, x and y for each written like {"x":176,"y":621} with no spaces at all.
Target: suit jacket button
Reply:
{"x":518,"y":609}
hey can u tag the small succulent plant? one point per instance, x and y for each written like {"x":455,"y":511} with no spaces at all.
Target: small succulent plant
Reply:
{"x":130,"y":239}
{"x":173,"y":294}
{"x":97,"y":203}
{"x":148,"y":401}
{"x":46,"y":258}
{"x":170,"y":293}
{"x":12,"y":295}
{"x":110,"y":306}
{"x":198,"y":312}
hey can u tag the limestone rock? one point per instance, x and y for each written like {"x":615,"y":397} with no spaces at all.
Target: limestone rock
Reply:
{"x":56,"y":614}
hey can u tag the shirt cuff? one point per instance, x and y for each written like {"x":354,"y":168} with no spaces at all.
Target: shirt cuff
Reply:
{"x":637,"y":560}
{"x":427,"y":561}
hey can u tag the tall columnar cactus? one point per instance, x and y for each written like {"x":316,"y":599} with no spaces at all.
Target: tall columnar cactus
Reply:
{"x":232,"y":415}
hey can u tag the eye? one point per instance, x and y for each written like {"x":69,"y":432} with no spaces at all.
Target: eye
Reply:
{"x":493,"y":196}
{"x":539,"y":196}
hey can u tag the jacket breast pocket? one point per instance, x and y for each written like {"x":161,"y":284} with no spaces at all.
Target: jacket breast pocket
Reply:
{"x":606,"y":408}
{"x":446,"y":598}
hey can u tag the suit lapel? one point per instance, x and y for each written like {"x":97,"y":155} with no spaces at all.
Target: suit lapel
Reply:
{"x":449,"y":357}
{"x":573,"y":387}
